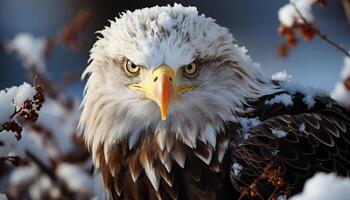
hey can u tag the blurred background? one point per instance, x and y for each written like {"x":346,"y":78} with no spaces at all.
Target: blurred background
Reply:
{"x":253,"y":23}
{"x":51,"y":39}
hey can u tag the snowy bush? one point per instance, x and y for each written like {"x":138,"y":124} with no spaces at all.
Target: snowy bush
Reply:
{"x":41,"y":156}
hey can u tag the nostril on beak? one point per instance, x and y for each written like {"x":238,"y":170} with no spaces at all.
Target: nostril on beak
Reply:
{"x":155,"y":79}
{"x":171,"y":79}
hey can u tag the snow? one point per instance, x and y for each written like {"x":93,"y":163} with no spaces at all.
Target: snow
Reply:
{"x":284,"y":99}
{"x":31,"y":50}
{"x":246,"y":125}
{"x":282,"y":76}
{"x":13,"y":98}
{"x":24,"y":92}
{"x":43,"y":185}
{"x":345,"y":73}
{"x":288,"y":14}
{"x":302,"y":127}
{"x":340,"y":93}
{"x":293,"y":88}
{"x":309,"y":101}
{"x":49,"y":139}
{"x":23,"y":175}
{"x":3,"y":197}
{"x":52,"y":143}
{"x":61,"y":123}
{"x":324,"y":186}
{"x":10,"y":100}
{"x":278,"y":133}
{"x":75,"y":178}
{"x":29,"y":142}
{"x":237,"y":168}
{"x":275,"y":152}
{"x":309,"y":92}
{"x":282,"y":197}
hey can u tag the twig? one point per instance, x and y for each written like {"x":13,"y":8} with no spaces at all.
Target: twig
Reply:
{"x":16,"y":112}
{"x":321,"y":35}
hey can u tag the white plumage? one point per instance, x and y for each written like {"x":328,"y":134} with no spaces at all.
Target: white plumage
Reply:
{"x":175,"y":36}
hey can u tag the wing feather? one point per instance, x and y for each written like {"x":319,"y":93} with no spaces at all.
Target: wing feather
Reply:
{"x":317,"y":140}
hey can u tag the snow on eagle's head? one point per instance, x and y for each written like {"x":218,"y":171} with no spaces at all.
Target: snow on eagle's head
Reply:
{"x":165,"y":69}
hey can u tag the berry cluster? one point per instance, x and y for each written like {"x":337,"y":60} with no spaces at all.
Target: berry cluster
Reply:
{"x":271,"y":176}
{"x":305,"y":29}
{"x":28,"y":112}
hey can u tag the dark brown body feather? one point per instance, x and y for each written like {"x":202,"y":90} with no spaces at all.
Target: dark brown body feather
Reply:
{"x":324,"y":145}
{"x":196,"y":180}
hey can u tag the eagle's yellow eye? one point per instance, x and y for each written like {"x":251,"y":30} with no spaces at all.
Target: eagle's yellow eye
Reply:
{"x":131,"y":69}
{"x":190,"y":70}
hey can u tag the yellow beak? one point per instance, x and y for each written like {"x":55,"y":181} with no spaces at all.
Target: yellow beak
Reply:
{"x":161,"y":88}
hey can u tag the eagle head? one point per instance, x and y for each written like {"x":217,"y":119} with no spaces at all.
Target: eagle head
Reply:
{"x":164,"y":69}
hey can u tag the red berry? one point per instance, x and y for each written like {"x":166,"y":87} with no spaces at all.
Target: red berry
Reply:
{"x":253,"y":193}
{"x":27,"y":104}
{"x":283,"y":50}
{"x":18,"y":134}
{"x":39,"y":97}
{"x":39,"y":89}
{"x":23,"y":113}
{"x":6,"y":126}
{"x":292,"y":42}
{"x":280,"y":182}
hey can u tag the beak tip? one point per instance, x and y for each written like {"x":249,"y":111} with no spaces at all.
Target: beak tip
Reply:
{"x":163,"y":115}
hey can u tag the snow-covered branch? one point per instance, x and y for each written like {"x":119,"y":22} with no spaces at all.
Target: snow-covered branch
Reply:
{"x":49,"y":152}
{"x":18,"y":105}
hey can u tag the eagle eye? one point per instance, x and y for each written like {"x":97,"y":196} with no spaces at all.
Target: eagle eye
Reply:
{"x":131,"y":69}
{"x":190,"y":70}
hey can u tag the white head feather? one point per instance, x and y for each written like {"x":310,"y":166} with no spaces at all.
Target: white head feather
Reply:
{"x":175,"y":36}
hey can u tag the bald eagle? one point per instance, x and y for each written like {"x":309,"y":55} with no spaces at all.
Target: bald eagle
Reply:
{"x":174,"y":109}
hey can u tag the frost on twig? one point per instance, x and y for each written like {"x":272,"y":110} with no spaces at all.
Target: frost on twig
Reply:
{"x":297,"y":16}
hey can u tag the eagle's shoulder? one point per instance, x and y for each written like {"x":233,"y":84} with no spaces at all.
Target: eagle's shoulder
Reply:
{"x":285,"y":138}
